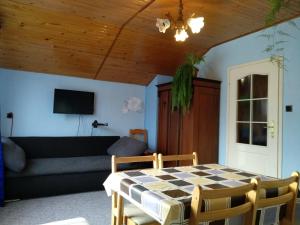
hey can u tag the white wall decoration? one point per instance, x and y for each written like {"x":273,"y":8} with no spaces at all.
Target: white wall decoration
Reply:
{"x":133,"y":104}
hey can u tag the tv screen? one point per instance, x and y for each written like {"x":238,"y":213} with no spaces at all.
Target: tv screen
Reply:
{"x":73,"y":102}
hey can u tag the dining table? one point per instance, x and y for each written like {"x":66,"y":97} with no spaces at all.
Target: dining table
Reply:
{"x":165,"y":194}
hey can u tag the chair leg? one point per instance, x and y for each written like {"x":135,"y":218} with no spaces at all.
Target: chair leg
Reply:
{"x":113,"y":207}
{"x":125,"y":218}
{"x":250,"y":218}
{"x":120,"y":209}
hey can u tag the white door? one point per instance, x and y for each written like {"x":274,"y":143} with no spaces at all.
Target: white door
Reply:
{"x":254,"y":118}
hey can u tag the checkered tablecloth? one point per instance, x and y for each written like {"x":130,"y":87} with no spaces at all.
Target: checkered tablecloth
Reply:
{"x":165,"y":194}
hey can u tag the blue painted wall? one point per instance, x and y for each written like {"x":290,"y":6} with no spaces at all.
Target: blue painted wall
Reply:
{"x":250,"y":48}
{"x":30,"y":97}
{"x":151,"y":112}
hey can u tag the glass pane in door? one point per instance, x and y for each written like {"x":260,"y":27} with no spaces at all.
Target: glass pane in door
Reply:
{"x":259,"y":134}
{"x":260,"y":110}
{"x":260,"y":86}
{"x":244,"y":110}
{"x":243,"y":133}
{"x":244,"y":86}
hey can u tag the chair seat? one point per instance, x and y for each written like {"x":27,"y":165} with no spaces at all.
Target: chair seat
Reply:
{"x":137,"y":215}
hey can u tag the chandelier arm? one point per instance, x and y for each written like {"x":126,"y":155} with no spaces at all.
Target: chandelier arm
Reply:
{"x":180,"y":11}
{"x":169,"y":17}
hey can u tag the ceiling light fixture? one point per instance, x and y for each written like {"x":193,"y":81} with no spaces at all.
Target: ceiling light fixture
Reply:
{"x":180,"y":25}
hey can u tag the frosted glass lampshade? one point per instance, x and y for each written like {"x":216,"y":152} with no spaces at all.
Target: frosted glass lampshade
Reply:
{"x":196,"y":24}
{"x":162,"y":24}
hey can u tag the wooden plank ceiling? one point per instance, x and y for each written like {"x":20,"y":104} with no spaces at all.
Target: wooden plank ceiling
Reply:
{"x":116,"y":40}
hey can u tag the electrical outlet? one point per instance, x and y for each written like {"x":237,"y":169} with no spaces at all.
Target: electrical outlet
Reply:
{"x":9,"y":115}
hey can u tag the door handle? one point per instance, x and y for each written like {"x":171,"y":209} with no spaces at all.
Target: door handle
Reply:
{"x":271,"y":128}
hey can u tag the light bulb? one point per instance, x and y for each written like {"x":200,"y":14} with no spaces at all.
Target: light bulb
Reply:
{"x":196,"y":24}
{"x":181,"y":34}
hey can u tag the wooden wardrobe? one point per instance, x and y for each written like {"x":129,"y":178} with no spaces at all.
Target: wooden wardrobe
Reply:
{"x":196,"y":130}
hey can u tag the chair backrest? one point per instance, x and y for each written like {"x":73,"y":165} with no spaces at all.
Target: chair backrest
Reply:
{"x":199,"y":195}
{"x":115,"y":161}
{"x":288,"y":191}
{"x":165,"y":158}
{"x":139,"y":134}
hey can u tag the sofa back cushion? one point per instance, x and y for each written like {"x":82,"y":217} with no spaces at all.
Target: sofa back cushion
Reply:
{"x":55,"y":147}
{"x":14,"y":155}
{"x":127,"y":146}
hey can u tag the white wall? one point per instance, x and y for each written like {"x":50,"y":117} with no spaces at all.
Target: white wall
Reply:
{"x":30,"y":97}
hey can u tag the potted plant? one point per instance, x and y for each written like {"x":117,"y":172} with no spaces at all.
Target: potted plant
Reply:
{"x":182,"y":86}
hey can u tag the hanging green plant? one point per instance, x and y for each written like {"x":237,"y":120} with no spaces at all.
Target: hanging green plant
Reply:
{"x":277,"y":39}
{"x":182,"y":86}
{"x":276,"y":5}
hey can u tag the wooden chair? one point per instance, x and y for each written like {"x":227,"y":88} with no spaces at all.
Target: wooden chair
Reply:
{"x":137,"y":133}
{"x":166,"y":158}
{"x":132,"y":215}
{"x":199,"y":195}
{"x":288,"y":197}
{"x":115,"y":161}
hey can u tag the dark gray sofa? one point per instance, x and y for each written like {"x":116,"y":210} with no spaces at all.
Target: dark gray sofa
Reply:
{"x":60,"y":165}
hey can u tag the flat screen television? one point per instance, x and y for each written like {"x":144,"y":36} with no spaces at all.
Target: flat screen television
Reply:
{"x":73,"y":102}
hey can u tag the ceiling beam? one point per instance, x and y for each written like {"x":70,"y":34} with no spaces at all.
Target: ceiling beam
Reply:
{"x":117,"y":36}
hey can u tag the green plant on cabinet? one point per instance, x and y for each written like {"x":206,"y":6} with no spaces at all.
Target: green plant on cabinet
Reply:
{"x":182,"y":86}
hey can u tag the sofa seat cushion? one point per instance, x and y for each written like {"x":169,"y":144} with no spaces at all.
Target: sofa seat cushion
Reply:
{"x":50,"y":166}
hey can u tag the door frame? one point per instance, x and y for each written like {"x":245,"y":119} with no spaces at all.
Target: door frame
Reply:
{"x":280,"y":108}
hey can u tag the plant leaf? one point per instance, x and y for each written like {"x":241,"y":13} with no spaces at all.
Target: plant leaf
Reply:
{"x":269,"y":48}
{"x":280,"y":42}
{"x":268,"y":36}
{"x":293,"y":24}
{"x":282,"y":33}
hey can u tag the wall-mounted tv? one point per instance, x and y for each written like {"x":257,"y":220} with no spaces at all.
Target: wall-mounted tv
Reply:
{"x":73,"y":102}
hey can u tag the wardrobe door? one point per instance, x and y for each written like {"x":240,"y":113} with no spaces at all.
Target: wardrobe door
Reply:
{"x":168,"y":125}
{"x":173,"y":130}
{"x":197,"y":129}
{"x":187,"y":130}
{"x":163,"y":119}
{"x":206,"y":116}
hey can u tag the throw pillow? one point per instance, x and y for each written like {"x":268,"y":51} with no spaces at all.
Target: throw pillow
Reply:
{"x":14,"y":155}
{"x":127,"y":146}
